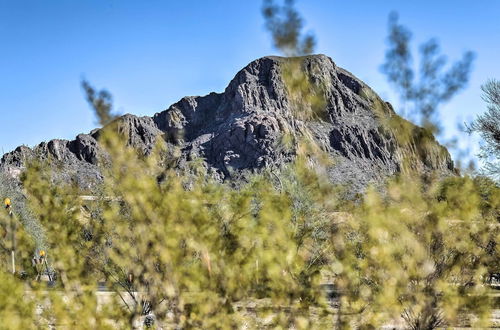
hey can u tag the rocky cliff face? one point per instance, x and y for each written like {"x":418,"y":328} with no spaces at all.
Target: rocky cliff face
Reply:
{"x":240,"y":129}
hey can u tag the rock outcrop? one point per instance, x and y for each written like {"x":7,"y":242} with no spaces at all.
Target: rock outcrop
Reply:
{"x":240,"y":129}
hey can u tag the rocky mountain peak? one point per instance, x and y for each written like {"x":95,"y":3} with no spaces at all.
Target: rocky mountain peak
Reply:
{"x":240,"y":129}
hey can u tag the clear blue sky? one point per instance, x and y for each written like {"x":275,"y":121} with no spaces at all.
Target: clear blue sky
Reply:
{"x":149,"y":54}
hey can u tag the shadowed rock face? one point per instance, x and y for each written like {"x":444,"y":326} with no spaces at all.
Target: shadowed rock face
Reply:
{"x":240,"y":129}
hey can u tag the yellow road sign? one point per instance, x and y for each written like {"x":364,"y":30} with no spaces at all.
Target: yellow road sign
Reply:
{"x":7,"y":202}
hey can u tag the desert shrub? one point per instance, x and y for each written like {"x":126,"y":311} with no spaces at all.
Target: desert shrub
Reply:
{"x":487,"y":125}
{"x":434,"y":86}
{"x":417,"y":253}
{"x":16,"y":311}
{"x":192,"y":252}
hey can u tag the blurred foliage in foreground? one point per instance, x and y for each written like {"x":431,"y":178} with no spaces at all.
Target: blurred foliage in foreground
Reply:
{"x":179,"y":250}
{"x":488,"y":127}
{"x":434,"y":86}
{"x":187,"y":252}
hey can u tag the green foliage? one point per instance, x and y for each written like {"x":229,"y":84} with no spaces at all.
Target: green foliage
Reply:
{"x":434,"y":86}
{"x":422,"y":255}
{"x":488,"y":127}
{"x":15,"y":312}
{"x":418,"y":143}
{"x":101,"y":101}
{"x":285,"y":25}
{"x":192,"y":254}
{"x":200,"y":254}
{"x":306,"y":98}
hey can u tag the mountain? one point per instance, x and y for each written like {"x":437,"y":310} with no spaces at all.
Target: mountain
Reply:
{"x":241,"y":129}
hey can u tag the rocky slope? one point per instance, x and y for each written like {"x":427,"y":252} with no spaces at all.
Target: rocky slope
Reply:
{"x":240,"y":129}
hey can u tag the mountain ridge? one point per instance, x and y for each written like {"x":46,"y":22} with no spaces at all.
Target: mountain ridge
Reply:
{"x":240,"y":129}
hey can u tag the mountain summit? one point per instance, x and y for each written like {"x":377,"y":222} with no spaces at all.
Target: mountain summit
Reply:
{"x":241,"y":129}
